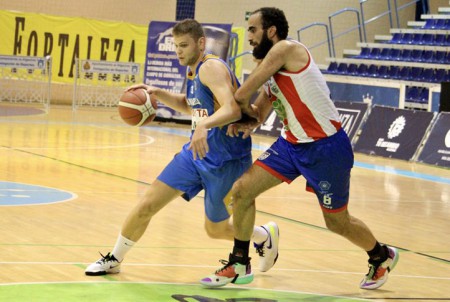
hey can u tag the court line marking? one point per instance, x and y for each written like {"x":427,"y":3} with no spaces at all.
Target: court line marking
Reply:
{"x":211,"y":266}
{"x":185,"y":284}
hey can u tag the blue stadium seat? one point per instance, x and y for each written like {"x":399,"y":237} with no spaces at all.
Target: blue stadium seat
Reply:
{"x":394,"y":54}
{"x":447,"y":41}
{"x":417,"y":38}
{"x":447,"y":24}
{"x":439,"y":57}
{"x":447,"y":76}
{"x":416,"y":74}
{"x":372,"y":71}
{"x":364,"y":54}
{"x":439,"y":75}
{"x":384,"y":54}
{"x":428,"y":75}
{"x":412,"y":94}
{"x":405,"y":74}
{"x":447,"y":58}
{"x":439,"y":40}
{"x":342,"y":68}
{"x":396,"y":39}
{"x":407,"y":38}
{"x":405,"y":55}
{"x":383,"y":72}
{"x":423,"y":97}
{"x":430,"y":24}
{"x":362,"y":70}
{"x":416,"y":55}
{"x":428,"y":56}
{"x":352,"y":69}
{"x":375,"y":54}
{"x":332,"y":68}
{"x":394,"y":72}
{"x":427,"y":39}
{"x":441,"y":24}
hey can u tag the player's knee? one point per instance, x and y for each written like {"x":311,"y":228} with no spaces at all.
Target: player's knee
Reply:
{"x":240,"y":194}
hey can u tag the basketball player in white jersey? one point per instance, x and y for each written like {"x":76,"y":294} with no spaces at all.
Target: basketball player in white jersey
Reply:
{"x":312,"y":144}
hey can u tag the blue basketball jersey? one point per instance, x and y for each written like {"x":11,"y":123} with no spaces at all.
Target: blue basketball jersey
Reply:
{"x":203,"y":103}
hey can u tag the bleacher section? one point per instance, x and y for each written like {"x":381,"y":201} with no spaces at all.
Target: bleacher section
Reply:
{"x":417,"y":58}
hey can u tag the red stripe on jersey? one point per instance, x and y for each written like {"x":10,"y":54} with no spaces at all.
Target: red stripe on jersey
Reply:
{"x":302,"y":113}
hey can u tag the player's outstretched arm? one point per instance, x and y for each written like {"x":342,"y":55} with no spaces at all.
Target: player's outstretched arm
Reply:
{"x":176,"y":101}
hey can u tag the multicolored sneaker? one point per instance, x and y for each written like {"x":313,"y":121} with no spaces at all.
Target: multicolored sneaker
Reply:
{"x":108,"y":264}
{"x":268,"y":250}
{"x":378,"y":273}
{"x":232,"y":272}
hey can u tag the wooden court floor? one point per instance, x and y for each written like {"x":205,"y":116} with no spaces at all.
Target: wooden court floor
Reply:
{"x":101,"y":168}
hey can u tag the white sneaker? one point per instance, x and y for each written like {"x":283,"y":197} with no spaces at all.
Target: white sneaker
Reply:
{"x":378,"y":273}
{"x":106,"y":265}
{"x":268,"y":250}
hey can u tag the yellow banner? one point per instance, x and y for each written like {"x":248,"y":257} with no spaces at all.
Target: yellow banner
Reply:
{"x":64,"y":39}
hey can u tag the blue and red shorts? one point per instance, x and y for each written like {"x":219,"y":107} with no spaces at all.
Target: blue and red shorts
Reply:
{"x":326,"y":165}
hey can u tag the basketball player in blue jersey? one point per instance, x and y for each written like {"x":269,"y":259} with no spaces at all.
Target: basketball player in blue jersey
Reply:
{"x":210,"y":161}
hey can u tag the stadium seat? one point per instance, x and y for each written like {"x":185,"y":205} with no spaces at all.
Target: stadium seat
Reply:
{"x":412,"y":94}
{"x":447,"y":76}
{"x":447,"y":41}
{"x":372,"y":71}
{"x":384,"y":54}
{"x":430,"y":24}
{"x":441,"y":24}
{"x":439,"y":57}
{"x":416,"y":74}
{"x":407,"y":38}
{"x":428,"y":75}
{"x":447,"y":58}
{"x":405,"y":55}
{"x":427,"y":39}
{"x":417,"y":38}
{"x":394,"y":54}
{"x":439,"y":75}
{"x":405,"y":74}
{"x":362,"y":70}
{"x":428,"y":56}
{"x":383,"y":72}
{"x":394,"y":72}
{"x":332,"y":68}
{"x":375,"y":54}
{"x":352,"y":69}
{"x":396,"y":39}
{"x":364,"y":54}
{"x":439,"y":40}
{"x":342,"y":69}
{"x":416,"y":55}
{"x":423,"y":97}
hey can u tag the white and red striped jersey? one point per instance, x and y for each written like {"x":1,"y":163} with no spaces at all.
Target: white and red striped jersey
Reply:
{"x":302,"y":102}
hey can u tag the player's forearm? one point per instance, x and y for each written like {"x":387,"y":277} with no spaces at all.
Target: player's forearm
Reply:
{"x":175,"y":101}
{"x":223,"y":116}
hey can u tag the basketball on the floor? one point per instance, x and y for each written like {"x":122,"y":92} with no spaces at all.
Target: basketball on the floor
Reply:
{"x":137,"y":107}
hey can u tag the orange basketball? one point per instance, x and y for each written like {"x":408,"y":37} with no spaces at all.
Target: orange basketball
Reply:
{"x":137,"y":107}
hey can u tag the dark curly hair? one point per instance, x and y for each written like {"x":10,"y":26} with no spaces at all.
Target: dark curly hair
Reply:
{"x":272,"y":16}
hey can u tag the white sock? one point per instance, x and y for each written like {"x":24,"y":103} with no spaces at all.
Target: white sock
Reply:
{"x":123,"y":245}
{"x":259,"y":235}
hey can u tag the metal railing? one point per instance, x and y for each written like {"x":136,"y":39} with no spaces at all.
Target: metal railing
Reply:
{"x":360,"y":24}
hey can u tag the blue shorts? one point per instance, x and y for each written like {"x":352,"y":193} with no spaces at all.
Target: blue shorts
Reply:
{"x":190,"y":177}
{"x":326,"y":165}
